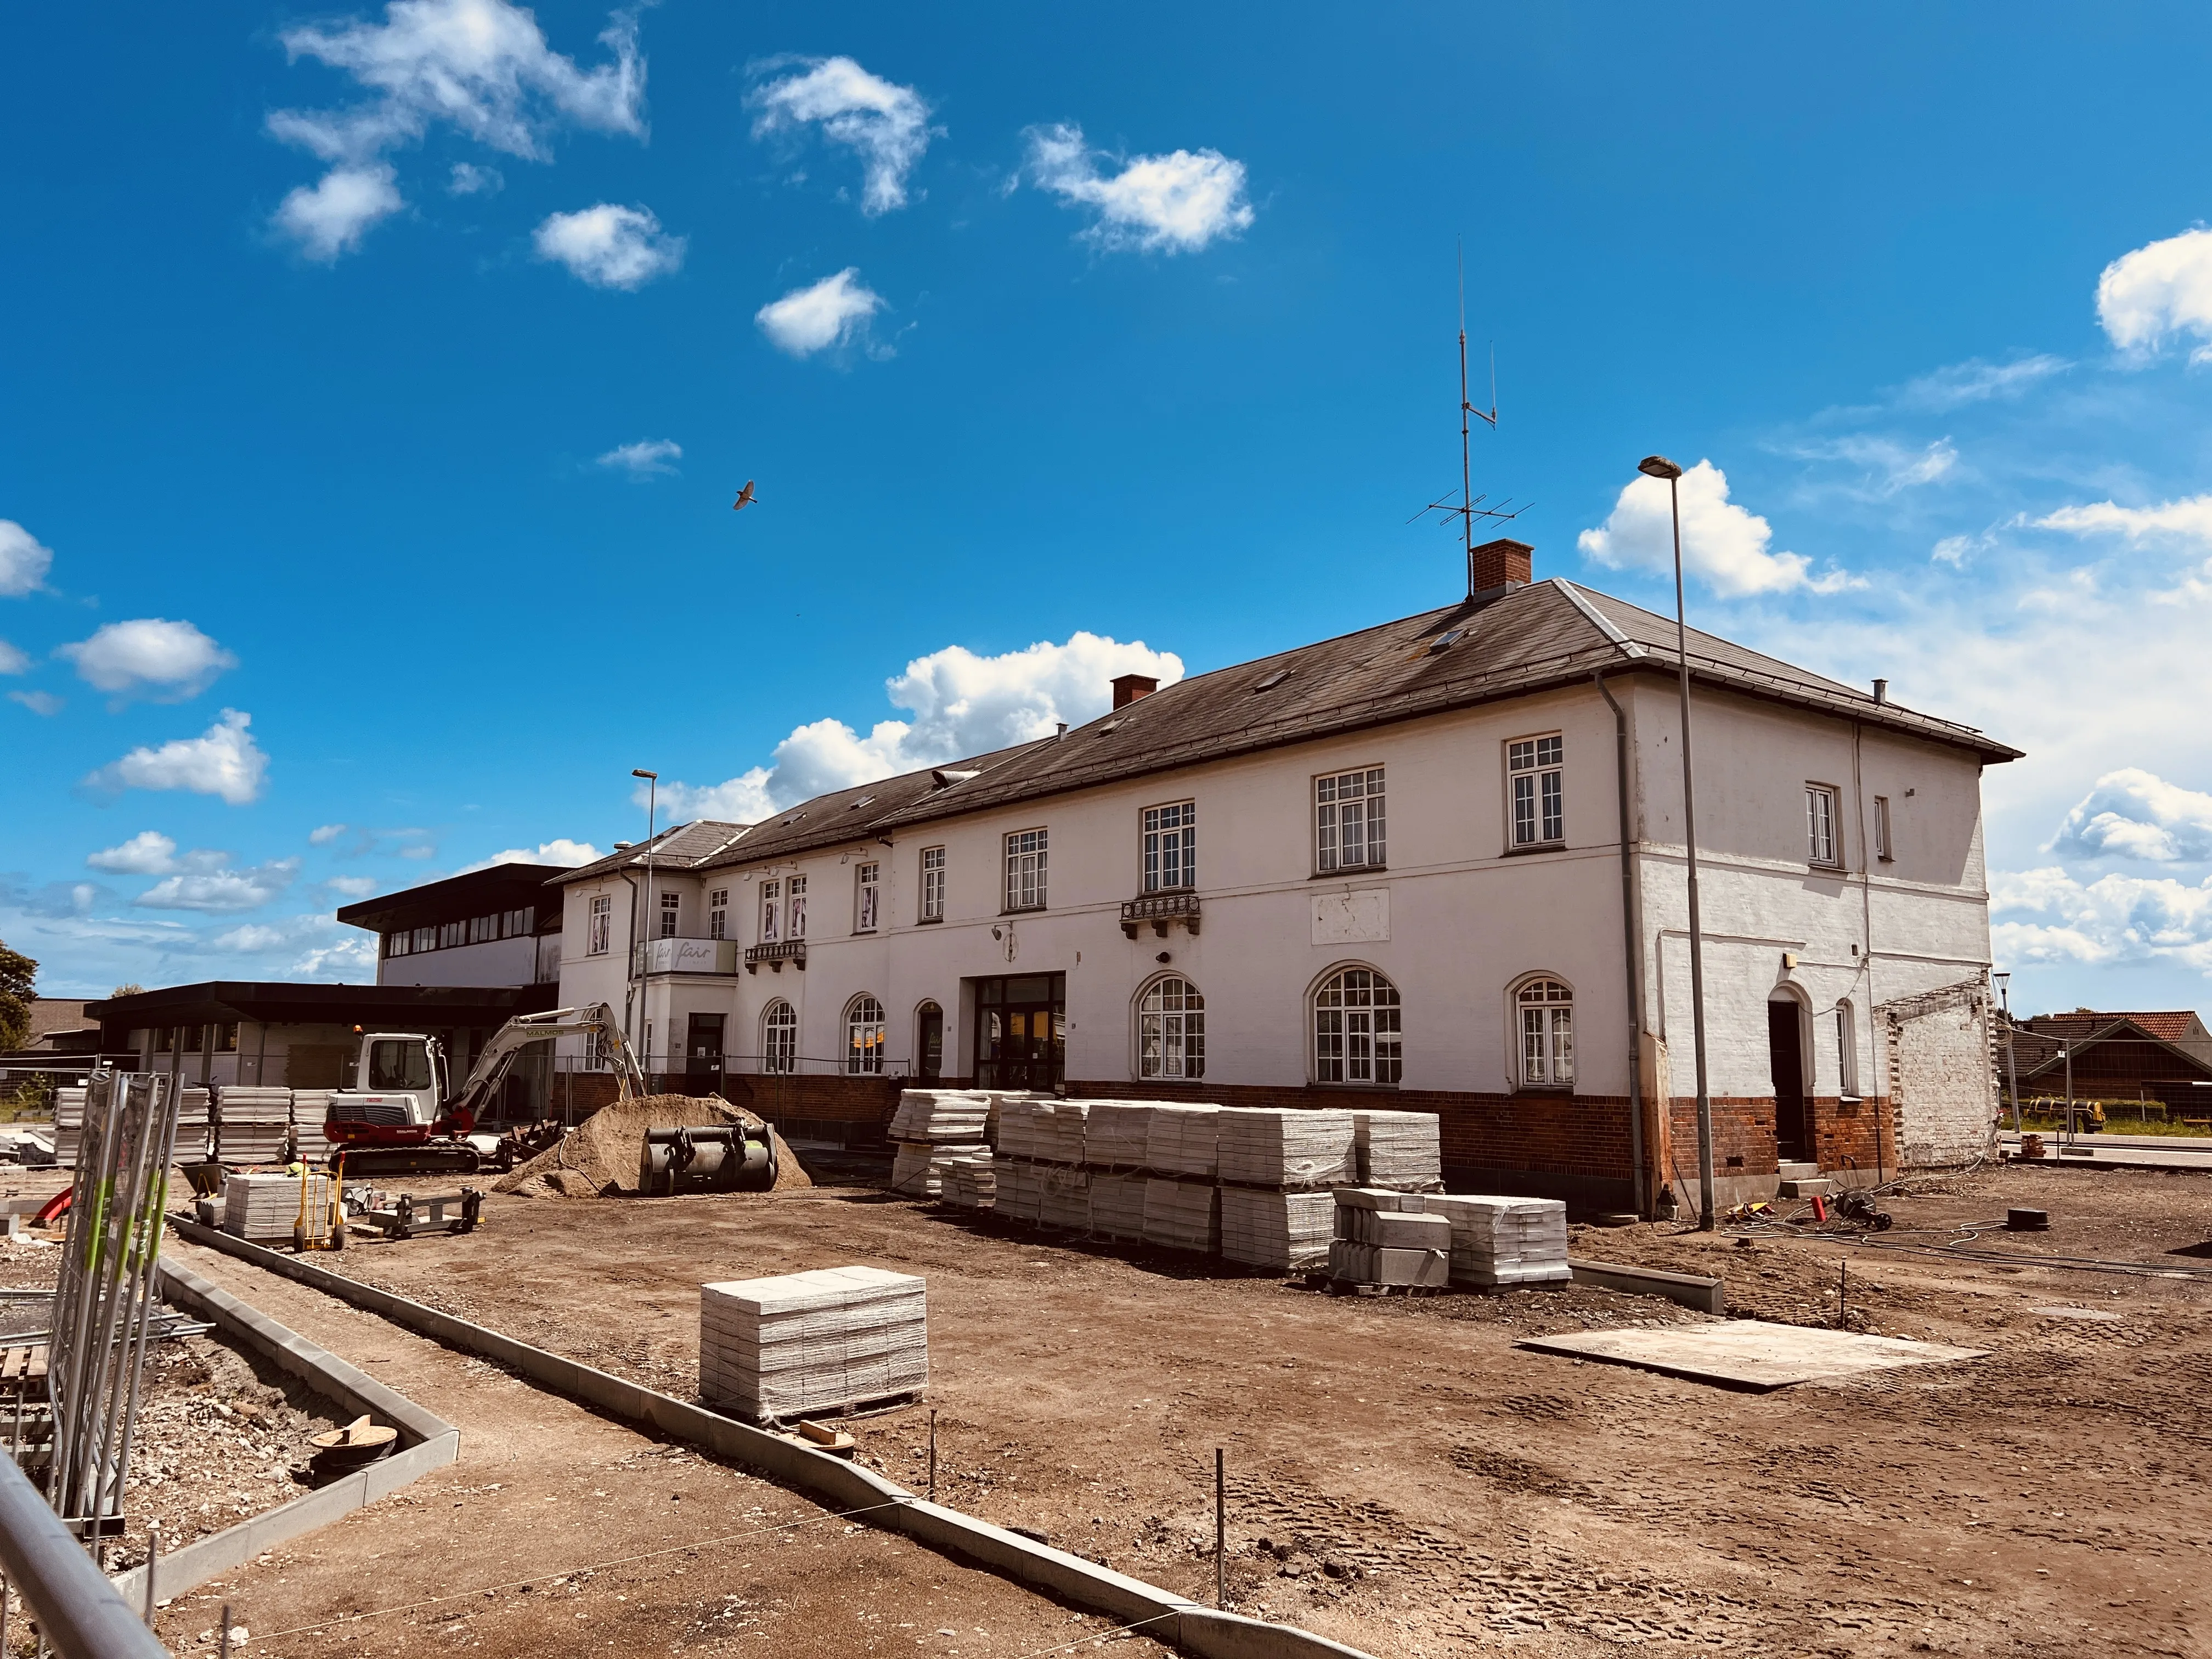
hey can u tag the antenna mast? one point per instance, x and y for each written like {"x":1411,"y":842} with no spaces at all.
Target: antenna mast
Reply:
{"x":1469,"y":508}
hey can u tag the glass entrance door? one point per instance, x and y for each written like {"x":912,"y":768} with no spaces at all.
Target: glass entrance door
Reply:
{"x":1021,"y":1030}
{"x":702,"y":1048}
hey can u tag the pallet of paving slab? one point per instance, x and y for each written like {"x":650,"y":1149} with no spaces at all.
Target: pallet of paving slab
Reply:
{"x":862,"y":1406}
{"x":1345,"y":1287}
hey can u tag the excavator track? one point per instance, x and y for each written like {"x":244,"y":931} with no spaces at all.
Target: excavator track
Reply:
{"x":369,"y":1163}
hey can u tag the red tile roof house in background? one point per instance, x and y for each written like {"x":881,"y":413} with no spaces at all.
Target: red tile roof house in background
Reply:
{"x":2163,"y":1056}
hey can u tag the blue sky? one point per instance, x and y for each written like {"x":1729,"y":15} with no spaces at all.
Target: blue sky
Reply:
{"x":377,"y":384}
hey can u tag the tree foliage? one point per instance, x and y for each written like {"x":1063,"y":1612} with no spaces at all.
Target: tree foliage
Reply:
{"x":17,"y":974}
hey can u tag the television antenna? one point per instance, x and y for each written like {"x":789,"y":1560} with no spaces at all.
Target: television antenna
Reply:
{"x":1469,"y":507}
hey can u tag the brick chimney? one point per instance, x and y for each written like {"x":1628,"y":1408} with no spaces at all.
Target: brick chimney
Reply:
{"x":1498,"y":565}
{"x":1127,"y":688}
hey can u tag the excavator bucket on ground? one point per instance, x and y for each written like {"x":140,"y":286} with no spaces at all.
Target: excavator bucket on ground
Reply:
{"x":721,"y":1158}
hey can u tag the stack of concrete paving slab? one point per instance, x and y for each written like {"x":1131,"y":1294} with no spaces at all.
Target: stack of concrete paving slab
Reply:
{"x":969,"y":1181}
{"x":262,"y":1207}
{"x":1180,"y":1140}
{"x":1063,"y":1198}
{"x":1287,"y":1231}
{"x":1048,"y":1130}
{"x":1502,"y":1241}
{"x":940,"y":1117}
{"x":1117,"y":1203}
{"x":1182,"y":1215}
{"x":799,"y":1343}
{"x":1384,"y":1237}
{"x":1114,"y":1134}
{"x":911,"y":1173}
{"x":1288,"y":1149}
{"x":1017,"y":1183}
{"x":311,"y":1109}
{"x":1402,"y":1150}
{"x":251,"y":1124}
{"x":68,"y":1125}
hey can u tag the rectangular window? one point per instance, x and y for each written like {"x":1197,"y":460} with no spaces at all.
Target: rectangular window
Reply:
{"x":597,"y":928}
{"x":932,"y":884}
{"x":1026,"y":869}
{"x":771,"y":929}
{"x":225,"y":1038}
{"x":1348,"y":821}
{"x":195,"y":1039}
{"x":718,"y":913}
{"x":482,"y":929}
{"x":864,"y":890}
{"x":671,"y":908}
{"x":1882,"y":847}
{"x":798,"y":914}
{"x":517,"y":924}
{"x":1534,"y":768}
{"x":450,"y":934}
{"x":1820,"y":824}
{"x":1847,"y":1055}
{"x":397,"y":945}
{"x":1547,"y":1045}
{"x":1170,"y":846}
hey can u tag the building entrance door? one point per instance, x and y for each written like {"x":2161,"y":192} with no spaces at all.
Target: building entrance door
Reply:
{"x":1021,"y":1030}
{"x":929,"y":1042}
{"x":1785,"y":1044}
{"x":702,"y":1049}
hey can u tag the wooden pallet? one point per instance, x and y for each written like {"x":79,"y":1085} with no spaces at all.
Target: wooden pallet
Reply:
{"x":25,"y":1364}
{"x":1345,"y":1287}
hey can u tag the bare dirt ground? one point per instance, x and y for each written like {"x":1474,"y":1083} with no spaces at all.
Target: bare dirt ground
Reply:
{"x":1404,"y":1478}
{"x":560,"y":1533}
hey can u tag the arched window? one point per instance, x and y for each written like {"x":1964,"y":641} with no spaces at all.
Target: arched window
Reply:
{"x":1547,"y":1010}
{"x":863,"y":1035}
{"x":780,"y":1037}
{"x":1171,"y":1030}
{"x":1355,"y":1027}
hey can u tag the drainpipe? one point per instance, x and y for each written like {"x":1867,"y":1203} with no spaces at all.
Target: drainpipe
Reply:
{"x":1630,"y":936}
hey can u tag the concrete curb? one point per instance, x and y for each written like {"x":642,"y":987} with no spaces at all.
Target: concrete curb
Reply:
{"x":427,"y":1440}
{"x":845,"y":1487}
{"x":1690,"y":1290}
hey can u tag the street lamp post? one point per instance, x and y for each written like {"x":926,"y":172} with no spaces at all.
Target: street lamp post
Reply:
{"x":1658,"y":466}
{"x":652,"y":913}
{"x":2012,"y":1068}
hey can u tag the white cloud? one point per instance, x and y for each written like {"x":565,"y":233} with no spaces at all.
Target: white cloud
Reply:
{"x":2159,"y":290}
{"x":2187,"y":519}
{"x":560,"y":850}
{"x":1955,"y":551}
{"x":469,"y":179}
{"x":223,"y":761}
{"x":887,"y":125}
{"x":354,"y":955}
{"x":610,"y":247}
{"x":1174,"y":203}
{"x":324,"y":834}
{"x":829,"y":313}
{"x":2134,"y":814}
{"x":962,"y":704}
{"x":23,"y":560}
{"x":221,"y":892}
{"x":2115,"y":919}
{"x":330,"y":217}
{"x":149,"y":853}
{"x":39,"y":703}
{"x":166,"y":661}
{"x":352,"y":887}
{"x":12,"y":660}
{"x":1721,"y":542}
{"x":481,"y":66}
{"x":1888,"y":465}
{"x":645,"y":457}
{"x":1976,"y":381}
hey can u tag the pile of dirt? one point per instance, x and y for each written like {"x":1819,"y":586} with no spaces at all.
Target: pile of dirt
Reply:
{"x":599,"y":1158}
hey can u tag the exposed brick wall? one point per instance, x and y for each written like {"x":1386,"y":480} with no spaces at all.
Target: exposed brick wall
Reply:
{"x":1744,"y":1129}
{"x":861,"y":1106}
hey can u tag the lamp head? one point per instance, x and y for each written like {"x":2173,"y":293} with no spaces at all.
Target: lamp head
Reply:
{"x":636,"y":772}
{"x":1658,"y":466}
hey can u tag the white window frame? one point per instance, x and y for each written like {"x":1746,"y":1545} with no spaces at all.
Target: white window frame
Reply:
{"x":718,"y":913}
{"x":1356,"y":1027}
{"x":771,"y":912}
{"x":932,"y":884}
{"x":794,"y":910}
{"x":1824,"y":829}
{"x":1169,"y":838}
{"x":672,"y":914}
{"x":1026,"y":852}
{"x":1171,"y":1031}
{"x":1535,"y":791}
{"x":1343,"y":802}
{"x":599,"y":924}
{"x":779,"y":1038}
{"x":863,"y":1036}
{"x":1885,"y":850}
{"x":1544,"y":1032}
{"x":1847,"y":1053}
{"x":867,"y":896}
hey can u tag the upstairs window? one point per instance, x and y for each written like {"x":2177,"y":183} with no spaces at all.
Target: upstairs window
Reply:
{"x":517,"y":924}
{"x":1534,"y":766}
{"x":397,"y":945}
{"x":1170,"y":846}
{"x":482,"y":929}
{"x":1884,"y":848}
{"x":798,"y":908}
{"x":671,"y":908}
{"x":718,"y":913}
{"x":932,"y":884}
{"x":450,"y":934}
{"x":1547,"y":1033}
{"x":1348,"y":820}
{"x":426,"y":939}
{"x":1821,"y":824}
{"x":597,"y":926}
{"x":1171,"y":1030}
{"x":1026,"y":869}
{"x":771,"y":912}
{"x":1355,"y":1028}
{"x":865,"y":889}
{"x":863,"y":1036}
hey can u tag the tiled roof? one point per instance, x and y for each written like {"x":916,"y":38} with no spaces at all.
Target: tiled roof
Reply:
{"x":679,"y":846}
{"x":1547,"y":634}
{"x":2168,"y":1025}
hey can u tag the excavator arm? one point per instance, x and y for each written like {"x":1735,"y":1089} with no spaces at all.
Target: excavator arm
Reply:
{"x":492,"y":1065}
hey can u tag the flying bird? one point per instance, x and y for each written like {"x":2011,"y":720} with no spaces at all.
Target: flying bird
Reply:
{"x":745,"y":498}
